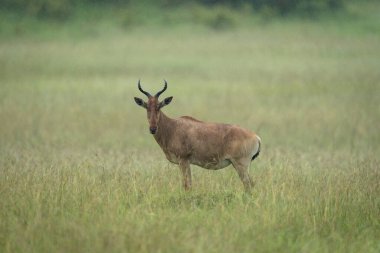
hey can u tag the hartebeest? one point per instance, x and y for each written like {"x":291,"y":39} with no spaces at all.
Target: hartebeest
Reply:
{"x":186,"y":141}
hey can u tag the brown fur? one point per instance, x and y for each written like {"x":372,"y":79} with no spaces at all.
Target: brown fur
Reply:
{"x":186,"y":141}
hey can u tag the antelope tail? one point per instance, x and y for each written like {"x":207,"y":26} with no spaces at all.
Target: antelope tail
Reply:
{"x":258,"y":150}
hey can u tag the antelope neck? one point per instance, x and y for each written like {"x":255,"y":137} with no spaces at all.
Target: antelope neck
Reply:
{"x":164,"y":130}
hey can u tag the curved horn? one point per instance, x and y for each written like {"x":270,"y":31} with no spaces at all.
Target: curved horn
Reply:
{"x":146,"y":93}
{"x":164,"y":89}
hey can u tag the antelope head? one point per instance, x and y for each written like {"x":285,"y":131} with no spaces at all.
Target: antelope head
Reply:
{"x":153,"y":106}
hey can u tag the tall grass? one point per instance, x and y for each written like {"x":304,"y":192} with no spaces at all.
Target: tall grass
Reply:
{"x":79,"y":171}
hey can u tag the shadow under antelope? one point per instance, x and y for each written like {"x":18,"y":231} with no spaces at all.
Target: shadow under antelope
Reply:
{"x":186,"y":141}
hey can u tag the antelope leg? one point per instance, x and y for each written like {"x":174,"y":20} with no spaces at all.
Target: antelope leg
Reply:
{"x":242,"y":171}
{"x":186,"y":174}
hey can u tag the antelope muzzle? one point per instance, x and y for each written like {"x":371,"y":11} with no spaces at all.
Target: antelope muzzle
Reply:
{"x":153,"y":130}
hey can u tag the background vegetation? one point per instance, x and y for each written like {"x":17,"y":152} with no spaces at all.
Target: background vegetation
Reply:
{"x":79,"y":171}
{"x":61,"y":9}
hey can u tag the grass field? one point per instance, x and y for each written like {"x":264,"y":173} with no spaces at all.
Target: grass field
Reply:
{"x":79,"y":171}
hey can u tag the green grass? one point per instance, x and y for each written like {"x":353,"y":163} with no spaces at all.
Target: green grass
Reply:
{"x":79,"y":171}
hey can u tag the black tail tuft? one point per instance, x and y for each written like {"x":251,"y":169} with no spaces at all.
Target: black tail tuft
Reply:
{"x":258,"y":152}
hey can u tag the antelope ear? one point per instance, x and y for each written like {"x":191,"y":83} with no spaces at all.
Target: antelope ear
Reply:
{"x":166,"y":101}
{"x":140,"y":102}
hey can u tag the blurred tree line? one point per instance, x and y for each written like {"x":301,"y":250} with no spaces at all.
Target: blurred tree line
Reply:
{"x":62,"y":9}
